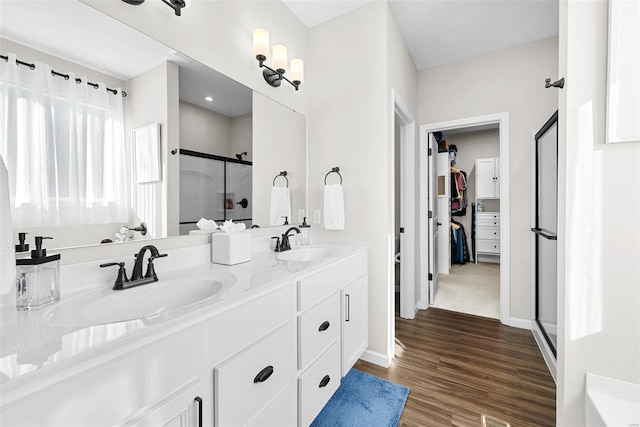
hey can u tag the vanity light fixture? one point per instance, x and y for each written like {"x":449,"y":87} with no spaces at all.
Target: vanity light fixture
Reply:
{"x":176,"y":5}
{"x":274,"y":77}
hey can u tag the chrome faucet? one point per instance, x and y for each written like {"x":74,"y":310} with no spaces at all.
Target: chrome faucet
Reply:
{"x":137,"y":279}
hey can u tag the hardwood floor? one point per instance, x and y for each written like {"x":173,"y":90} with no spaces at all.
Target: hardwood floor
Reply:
{"x":460,"y":366}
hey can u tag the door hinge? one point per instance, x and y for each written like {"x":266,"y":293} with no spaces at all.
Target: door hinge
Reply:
{"x":430,"y":214}
{"x":430,"y":276}
{"x":430,"y":152}
{"x":402,"y":229}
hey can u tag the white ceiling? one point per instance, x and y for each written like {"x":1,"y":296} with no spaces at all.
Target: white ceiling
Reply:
{"x":439,"y":32}
{"x":74,"y":31}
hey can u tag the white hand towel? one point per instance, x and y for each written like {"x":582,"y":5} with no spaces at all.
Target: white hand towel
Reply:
{"x":333,"y":207}
{"x":7,"y":255}
{"x":280,"y":205}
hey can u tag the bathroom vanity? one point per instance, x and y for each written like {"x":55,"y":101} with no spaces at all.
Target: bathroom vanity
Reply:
{"x":261,"y":343}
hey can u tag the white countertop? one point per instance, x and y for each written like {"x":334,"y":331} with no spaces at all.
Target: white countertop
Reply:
{"x":31,"y":346}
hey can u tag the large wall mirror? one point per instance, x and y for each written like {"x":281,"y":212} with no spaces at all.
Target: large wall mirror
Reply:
{"x":215,"y":152}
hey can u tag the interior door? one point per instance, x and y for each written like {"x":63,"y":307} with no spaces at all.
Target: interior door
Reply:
{"x":433,"y":219}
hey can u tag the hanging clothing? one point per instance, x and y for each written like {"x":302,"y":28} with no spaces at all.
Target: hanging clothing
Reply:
{"x":459,"y":245}
{"x":458,"y":192}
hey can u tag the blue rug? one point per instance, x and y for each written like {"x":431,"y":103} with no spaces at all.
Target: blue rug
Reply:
{"x":363,"y":400}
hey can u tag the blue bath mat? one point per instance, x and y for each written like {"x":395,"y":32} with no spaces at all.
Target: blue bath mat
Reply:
{"x":363,"y":400}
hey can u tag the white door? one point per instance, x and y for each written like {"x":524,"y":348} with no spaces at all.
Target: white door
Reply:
{"x":433,"y":220}
{"x":443,"y":245}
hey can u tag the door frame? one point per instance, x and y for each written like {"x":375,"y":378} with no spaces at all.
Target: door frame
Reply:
{"x":408,"y":304}
{"x":502,"y":120}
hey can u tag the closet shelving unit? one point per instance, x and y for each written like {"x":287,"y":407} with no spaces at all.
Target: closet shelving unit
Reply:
{"x":487,"y":223}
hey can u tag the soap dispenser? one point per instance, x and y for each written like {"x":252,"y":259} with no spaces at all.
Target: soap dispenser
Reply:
{"x":305,"y":232}
{"x":22,"y":246}
{"x":38,"y":278}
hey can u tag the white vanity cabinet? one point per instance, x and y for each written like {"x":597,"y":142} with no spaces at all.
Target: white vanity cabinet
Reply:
{"x":268,"y":356}
{"x":332,"y":330}
{"x":354,"y":323}
{"x":154,"y":379}
{"x":184,"y":408}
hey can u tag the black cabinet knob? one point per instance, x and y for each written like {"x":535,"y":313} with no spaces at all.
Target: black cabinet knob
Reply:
{"x":324,"y":326}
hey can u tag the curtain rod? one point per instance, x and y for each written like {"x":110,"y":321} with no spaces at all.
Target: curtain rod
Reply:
{"x":65,"y":76}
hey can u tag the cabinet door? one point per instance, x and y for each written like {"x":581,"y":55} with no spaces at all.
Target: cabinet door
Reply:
{"x":496,"y":174}
{"x":354,"y":322}
{"x":184,"y":408}
{"x":485,"y":184}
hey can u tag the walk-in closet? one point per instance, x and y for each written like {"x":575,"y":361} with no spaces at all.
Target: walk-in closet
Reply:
{"x":468,"y":170}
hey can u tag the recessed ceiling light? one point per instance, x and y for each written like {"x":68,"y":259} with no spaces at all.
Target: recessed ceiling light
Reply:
{"x":208,"y":98}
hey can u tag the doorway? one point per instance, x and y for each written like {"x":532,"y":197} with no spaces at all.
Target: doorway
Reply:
{"x":405,"y":230}
{"x":427,"y":175}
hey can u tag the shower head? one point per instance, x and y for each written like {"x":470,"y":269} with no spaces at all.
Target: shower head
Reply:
{"x":239,"y":156}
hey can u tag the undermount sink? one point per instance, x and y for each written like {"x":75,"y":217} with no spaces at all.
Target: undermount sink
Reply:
{"x":304,"y":254}
{"x":143,"y":302}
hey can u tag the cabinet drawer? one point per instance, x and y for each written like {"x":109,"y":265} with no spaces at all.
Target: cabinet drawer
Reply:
{"x":488,"y":233}
{"x":314,"y":390}
{"x":488,"y":218}
{"x":318,"y":327}
{"x":324,"y":283}
{"x":488,"y":246}
{"x":281,"y":412}
{"x":240,"y":393}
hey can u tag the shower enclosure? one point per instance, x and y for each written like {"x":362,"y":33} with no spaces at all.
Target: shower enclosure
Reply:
{"x":545,"y":238}
{"x":214,"y":187}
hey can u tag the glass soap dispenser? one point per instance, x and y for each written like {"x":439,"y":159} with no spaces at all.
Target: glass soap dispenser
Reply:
{"x":38,"y":278}
{"x":305,"y":232}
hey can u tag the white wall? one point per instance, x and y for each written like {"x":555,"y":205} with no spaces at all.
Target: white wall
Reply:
{"x":351,"y":125}
{"x":402,"y":78}
{"x":241,"y":131}
{"x":471,"y":146}
{"x":280,"y":144}
{"x":204,"y":131}
{"x":510,"y":80}
{"x":153,"y":98}
{"x":598,"y":268}
{"x":219,"y":35}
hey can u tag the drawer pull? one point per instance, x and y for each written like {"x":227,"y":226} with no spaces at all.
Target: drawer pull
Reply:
{"x":263,"y":375}
{"x":324,"y":381}
{"x":199,"y":400}
{"x":325,"y":325}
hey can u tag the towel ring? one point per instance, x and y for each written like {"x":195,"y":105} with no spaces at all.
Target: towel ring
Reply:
{"x":333,"y":170}
{"x":284,"y":175}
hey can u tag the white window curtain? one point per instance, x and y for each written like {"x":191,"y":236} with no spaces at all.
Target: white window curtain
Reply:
{"x":63,"y":144}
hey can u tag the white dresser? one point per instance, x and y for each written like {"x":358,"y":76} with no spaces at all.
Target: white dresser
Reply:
{"x":488,"y":235}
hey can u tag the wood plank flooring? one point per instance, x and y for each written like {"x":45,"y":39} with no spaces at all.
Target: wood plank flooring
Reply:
{"x":460,"y":366}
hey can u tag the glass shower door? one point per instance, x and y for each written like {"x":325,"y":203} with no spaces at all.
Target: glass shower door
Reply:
{"x":545,"y":231}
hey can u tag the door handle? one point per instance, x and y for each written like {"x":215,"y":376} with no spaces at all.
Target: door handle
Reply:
{"x":544,"y":233}
{"x":438,"y":224}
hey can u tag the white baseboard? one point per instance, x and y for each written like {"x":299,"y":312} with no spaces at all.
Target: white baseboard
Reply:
{"x":376,"y":358}
{"x":519,"y":323}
